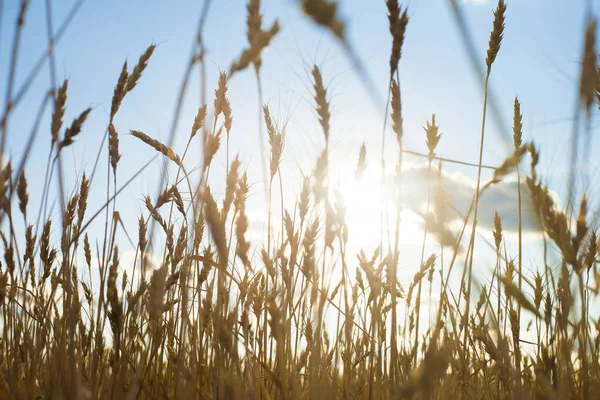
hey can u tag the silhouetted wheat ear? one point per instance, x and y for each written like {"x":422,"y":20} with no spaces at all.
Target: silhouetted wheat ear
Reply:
{"x":496,"y":35}
{"x":589,"y":75}
{"x":324,"y":13}
{"x":396,"y":114}
{"x":517,"y":125}
{"x":321,"y":100}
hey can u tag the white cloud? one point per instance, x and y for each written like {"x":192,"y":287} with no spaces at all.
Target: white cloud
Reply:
{"x":501,"y":197}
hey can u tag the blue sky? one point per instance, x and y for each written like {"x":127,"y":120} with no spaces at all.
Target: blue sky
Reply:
{"x":538,"y":62}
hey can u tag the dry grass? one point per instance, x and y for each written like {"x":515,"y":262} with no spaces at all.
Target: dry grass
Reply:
{"x":216,"y":318}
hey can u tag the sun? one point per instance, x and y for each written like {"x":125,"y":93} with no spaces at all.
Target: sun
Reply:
{"x":371,"y":219}
{"x":362,"y":198}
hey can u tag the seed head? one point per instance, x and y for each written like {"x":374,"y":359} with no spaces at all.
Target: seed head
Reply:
{"x":496,"y":35}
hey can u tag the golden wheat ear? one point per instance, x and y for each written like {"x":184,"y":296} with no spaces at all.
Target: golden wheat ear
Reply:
{"x":158,"y":146}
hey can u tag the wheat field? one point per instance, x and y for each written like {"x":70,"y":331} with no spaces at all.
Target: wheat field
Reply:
{"x":206,"y":307}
